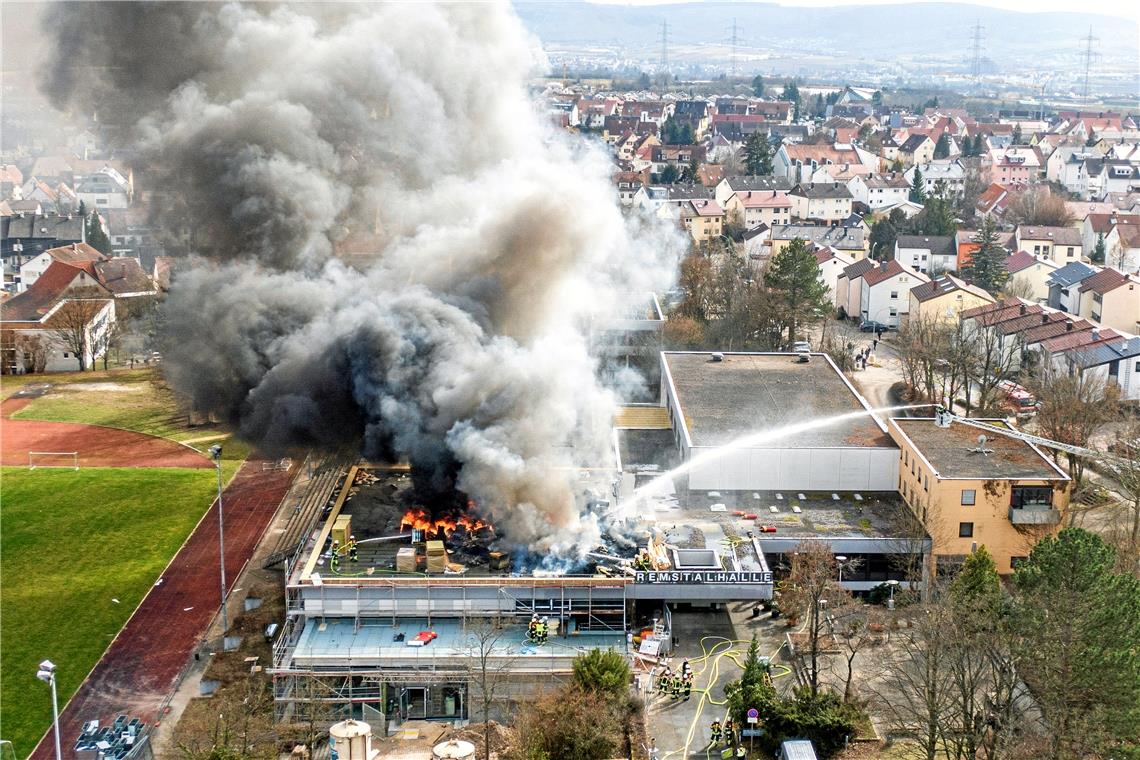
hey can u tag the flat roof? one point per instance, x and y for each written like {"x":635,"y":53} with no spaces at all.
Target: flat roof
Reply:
{"x":952,"y":452}
{"x":744,"y":393}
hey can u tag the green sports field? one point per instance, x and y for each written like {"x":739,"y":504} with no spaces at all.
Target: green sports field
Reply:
{"x":72,"y":542}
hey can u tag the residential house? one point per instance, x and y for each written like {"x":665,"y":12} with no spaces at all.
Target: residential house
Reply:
{"x":1030,"y":274}
{"x":841,"y":130}
{"x":76,"y":254}
{"x":1106,"y":226}
{"x":932,"y":254}
{"x":1063,"y":291}
{"x":1114,"y":360}
{"x":680,"y":157}
{"x":944,"y":298}
{"x":695,"y":113}
{"x":885,"y":296}
{"x":10,"y":178}
{"x":1017,"y":164}
{"x":877,"y":191}
{"x":909,"y":209}
{"x":1111,"y":298}
{"x":756,"y":207}
{"x":628,"y":183}
{"x":850,"y":241}
{"x":1061,"y":244}
{"x":63,"y":299}
{"x":27,"y":235}
{"x":757,"y":243}
{"x":829,"y":203}
{"x":999,"y":492}
{"x":993,"y":200}
{"x":966,"y":242}
{"x":745,"y":182}
{"x":703,"y":219}
{"x":916,"y":149}
{"x":799,"y":162}
{"x":849,"y":288}
{"x":832,"y":264}
{"x":948,"y":175}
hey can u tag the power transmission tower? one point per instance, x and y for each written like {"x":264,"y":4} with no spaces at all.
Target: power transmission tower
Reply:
{"x":664,"y":50}
{"x":734,"y":48}
{"x":977,"y":49}
{"x":1089,"y":56}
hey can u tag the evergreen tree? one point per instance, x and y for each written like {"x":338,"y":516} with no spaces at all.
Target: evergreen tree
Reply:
{"x":83,"y":209}
{"x":757,"y":154}
{"x":942,"y":147}
{"x":96,"y":238}
{"x":977,"y":587}
{"x":1098,"y":252}
{"x":883,"y":236}
{"x":1017,"y":134}
{"x":986,"y":268}
{"x":918,"y":187}
{"x":792,"y":93}
{"x":758,"y":86}
{"x":669,"y":174}
{"x":1077,"y":633}
{"x":793,"y":285}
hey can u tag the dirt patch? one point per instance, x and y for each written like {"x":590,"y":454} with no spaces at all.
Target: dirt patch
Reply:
{"x":100,"y":387}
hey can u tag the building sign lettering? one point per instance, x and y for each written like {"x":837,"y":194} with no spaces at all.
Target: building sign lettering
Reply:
{"x":702,"y":576}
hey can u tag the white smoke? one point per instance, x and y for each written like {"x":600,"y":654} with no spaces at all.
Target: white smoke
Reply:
{"x":406,"y":131}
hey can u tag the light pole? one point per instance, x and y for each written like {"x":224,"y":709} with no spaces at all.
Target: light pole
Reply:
{"x":891,"y":601}
{"x":216,"y":454}
{"x":47,"y":675}
{"x":841,"y":561}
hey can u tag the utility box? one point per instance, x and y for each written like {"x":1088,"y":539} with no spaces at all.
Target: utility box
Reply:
{"x":342,"y":529}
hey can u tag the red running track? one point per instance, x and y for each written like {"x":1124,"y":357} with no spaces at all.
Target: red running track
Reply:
{"x":97,"y":446}
{"x":143,"y":663}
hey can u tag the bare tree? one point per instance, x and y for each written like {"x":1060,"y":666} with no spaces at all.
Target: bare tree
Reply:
{"x":1071,"y":406}
{"x":1125,"y":467}
{"x":1038,"y":205}
{"x":489,"y":668}
{"x":811,"y":583}
{"x":71,"y":326}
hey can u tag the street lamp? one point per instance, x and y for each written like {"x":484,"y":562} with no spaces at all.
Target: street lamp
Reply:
{"x":47,"y":675}
{"x":841,"y":561}
{"x":216,"y":455}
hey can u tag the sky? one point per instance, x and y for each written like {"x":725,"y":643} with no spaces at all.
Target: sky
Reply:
{"x":1118,"y":8}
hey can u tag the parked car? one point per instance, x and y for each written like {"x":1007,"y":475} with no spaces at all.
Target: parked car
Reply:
{"x":870,"y":325}
{"x":801,"y":345}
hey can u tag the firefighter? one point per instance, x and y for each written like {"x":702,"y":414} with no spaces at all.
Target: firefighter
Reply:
{"x":729,"y":733}
{"x":542,"y":631}
{"x":675,"y":687}
{"x":352,"y":555}
{"x":687,"y":686}
{"x":532,"y":628}
{"x":334,"y":557}
{"x":663,"y":682}
{"x":716,"y":734}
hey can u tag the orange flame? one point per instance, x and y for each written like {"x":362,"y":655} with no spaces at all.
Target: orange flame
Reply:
{"x":419,"y":519}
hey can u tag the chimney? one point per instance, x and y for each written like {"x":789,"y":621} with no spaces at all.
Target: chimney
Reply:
{"x":1095,"y":334}
{"x":1068,"y":325}
{"x":1044,"y":318}
{"x":1021,"y":310}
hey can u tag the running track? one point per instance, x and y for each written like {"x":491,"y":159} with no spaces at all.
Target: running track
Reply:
{"x":142,"y":664}
{"x":97,"y":446}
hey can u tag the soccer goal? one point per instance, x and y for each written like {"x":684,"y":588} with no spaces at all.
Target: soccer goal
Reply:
{"x":53,"y":459}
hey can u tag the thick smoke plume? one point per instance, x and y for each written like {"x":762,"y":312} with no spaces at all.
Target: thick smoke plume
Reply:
{"x":396,"y":248}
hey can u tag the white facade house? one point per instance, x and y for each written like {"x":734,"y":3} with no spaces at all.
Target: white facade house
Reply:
{"x":950,"y":172}
{"x":831,"y":266}
{"x":878,"y":191}
{"x":885,"y":292}
{"x":105,"y":189}
{"x":931,"y":254}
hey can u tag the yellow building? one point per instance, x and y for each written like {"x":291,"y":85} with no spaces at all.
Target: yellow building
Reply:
{"x":944,"y":298}
{"x":999,"y":492}
{"x":1111,"y":298}
{"x":704,"y":220}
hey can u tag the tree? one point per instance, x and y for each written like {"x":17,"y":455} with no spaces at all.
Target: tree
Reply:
{"x":813,"y":578}
{"x":884,"y":233}
{"x":1017,"y":134}
{"x":753,"y":691}
{"x":643,"y":81}
{"x":683,"y":333}
{"x":691,"y":172}
{"x":757,"y":154}
{"x":942,"y":147}
{"x":568,"y":723}
{"x":95,"y":235}
{"x":918,"y":187}
{"x":489,"y":668}
{"x":758,"y":86}
{"x":603,"y":671}
{"x":72,"y":328}
{"x":1076,"y":625}
{"x":792,"y":281}
{"x":986,"y":267}
{"x":1070,"y":408}
{"x":1097,"y":255}
{"x":669,"y":174}
{"x":1038,"y":206}
{"x":791,"y":93}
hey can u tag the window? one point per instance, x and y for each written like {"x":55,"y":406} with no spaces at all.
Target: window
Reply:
{"x":1071,"y":253}
{"x":1031,"y":496}
{"x":65,"y":355}
{"x":968,"y":497}
{"x":893,"y":312}
{"x":894,"y":294}
{"x":1137,"y":367}
{"x":965,"y":530}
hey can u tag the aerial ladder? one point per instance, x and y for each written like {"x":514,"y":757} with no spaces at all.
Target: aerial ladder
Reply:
{"x":944,"y":417}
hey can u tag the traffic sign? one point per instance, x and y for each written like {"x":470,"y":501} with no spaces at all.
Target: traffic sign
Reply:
{"x":753,"y":715}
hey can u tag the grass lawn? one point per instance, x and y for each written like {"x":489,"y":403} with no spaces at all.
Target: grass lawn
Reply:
{"x":72,"y":541}
{"x":132,"y":399}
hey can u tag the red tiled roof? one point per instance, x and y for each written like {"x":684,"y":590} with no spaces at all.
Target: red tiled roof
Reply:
{"x":1103,"y":281}
{"x":884,"y":271}
{"x":1018,"y":261}
{"x":43,"y":294}
{"x":858,"y":269}
{"x":1074,"y":339}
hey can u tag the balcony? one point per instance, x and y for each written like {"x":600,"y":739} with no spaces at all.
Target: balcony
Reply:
{"x":1034,"y":516}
